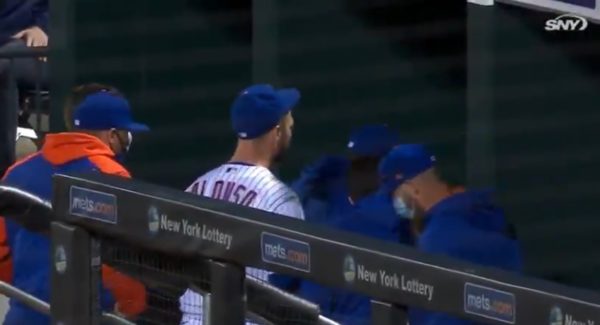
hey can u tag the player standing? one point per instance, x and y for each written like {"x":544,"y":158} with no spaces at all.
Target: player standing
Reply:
{"x":262,"y":120}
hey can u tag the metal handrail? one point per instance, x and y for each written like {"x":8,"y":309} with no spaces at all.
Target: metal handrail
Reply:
{"x":24,"y":207}
{"x":24,"y":298}
{"x":26,"y":52}
{"x":254,"y":313}
{"x":44,"y":308}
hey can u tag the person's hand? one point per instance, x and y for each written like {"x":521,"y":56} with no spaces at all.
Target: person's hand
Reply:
{"x":33,"y":37}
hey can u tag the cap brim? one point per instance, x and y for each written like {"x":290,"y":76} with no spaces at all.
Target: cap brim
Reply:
{"x":289,"y":97}
{"x":137,"y":127}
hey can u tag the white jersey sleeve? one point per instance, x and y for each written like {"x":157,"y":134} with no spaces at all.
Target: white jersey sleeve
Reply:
{"x":291,"y":207}
{"x":252,"y":186}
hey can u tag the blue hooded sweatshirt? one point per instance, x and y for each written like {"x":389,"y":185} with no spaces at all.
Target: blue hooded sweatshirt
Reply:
{"x":373,"y":216}
{"x":322,"y":190}
{"x":470,"y":227}
{"x":17,"y":15}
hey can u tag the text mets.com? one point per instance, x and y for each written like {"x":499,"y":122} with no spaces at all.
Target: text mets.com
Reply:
{"x":494,"y":306}
{"x":290,"y":255}
{"x":91,"y":206}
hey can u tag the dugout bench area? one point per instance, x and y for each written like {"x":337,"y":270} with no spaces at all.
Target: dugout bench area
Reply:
{"x":172,"y":241}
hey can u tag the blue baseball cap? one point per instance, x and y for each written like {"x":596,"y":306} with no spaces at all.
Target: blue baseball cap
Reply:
{"x":372,"y":140}
{"x":404,"y":162}
{"x":259,"y":108}
{"x":105,"y":111}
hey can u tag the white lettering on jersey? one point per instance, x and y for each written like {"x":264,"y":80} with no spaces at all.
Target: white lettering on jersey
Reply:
{"x":248,"y":185}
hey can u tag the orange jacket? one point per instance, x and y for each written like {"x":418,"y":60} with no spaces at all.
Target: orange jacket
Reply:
{"x":63,"y":152}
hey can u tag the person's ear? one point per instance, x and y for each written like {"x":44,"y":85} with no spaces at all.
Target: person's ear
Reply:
{"x":278,"y":131}
{"x":112,"y":135}
{"x":410,"y":188}
{"x":114,"y":139}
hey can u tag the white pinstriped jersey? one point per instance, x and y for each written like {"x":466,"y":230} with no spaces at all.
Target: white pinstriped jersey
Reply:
{"x":249,"y":185}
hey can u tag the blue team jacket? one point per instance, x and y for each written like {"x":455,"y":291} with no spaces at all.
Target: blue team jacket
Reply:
{"x":30,"y":252}
{"x":324,"y":195}
{"x":372,"y":216}
{"x":322,"y":191}
{"x":470,"y":227}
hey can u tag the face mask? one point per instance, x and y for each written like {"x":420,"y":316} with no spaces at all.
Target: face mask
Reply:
{"x":120,"y":157}
{"x":129,"y":141}
{"x":402,"y":210}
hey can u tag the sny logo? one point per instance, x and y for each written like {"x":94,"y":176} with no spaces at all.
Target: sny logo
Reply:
{"x":92,"y":204}
{"x":566,"y":22}
{"x":490,"y":303}
{"x":286,"y":252}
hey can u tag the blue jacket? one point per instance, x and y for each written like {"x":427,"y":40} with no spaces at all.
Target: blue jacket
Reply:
{"x":17,"y":15}
{"x":470,"y":227}
{"x":63,"y":152}
{"x":372,"y":216}
{"x":322,"y":190}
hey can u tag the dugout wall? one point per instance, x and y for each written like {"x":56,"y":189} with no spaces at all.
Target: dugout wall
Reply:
{"x":145,"y":217}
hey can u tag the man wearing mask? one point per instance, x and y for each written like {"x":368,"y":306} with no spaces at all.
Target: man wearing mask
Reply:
{"x":465,"y":225}
{"x":101,"y":124}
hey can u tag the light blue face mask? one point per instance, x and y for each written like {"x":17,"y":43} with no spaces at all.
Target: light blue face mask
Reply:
{"x":402,"y":210}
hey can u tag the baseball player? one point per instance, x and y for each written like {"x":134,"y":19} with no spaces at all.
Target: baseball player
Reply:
{"x":262,"y":120}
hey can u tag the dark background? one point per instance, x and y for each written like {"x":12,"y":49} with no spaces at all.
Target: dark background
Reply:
{"x":547,"y":96}
{"x":402,"y":62}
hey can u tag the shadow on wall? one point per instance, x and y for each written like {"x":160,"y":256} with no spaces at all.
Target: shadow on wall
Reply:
{"x":546,"y":119}
{"x":238,"y":11}
{"x":439,"y":32}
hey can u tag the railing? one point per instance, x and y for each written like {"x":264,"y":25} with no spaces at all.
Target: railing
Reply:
{"x":23,"y":206}
{"x":142,"y":215}
{"x":32,"y":93}
{"x":23,"y":100}
{"x":36,"y":215}
{"x":138,"y":223}
{"x":44,"y":308}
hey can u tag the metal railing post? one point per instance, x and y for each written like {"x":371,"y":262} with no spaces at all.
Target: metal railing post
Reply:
{"x":75,"y":276}
{"x":387,"y":314}
{"x":37,"y":104}
{"x":206,"y":309}
{"x":227,"y":294}
{"x":8,"y":120}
